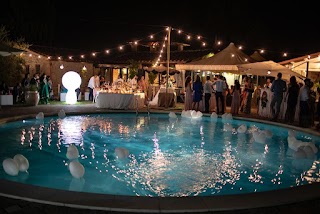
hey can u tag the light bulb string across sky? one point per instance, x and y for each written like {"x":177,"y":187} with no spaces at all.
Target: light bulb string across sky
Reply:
{"x":187,"y":36}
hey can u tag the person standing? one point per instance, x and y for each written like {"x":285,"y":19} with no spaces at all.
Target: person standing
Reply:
{"x":249,"y":88}
{"x":292,"y":99}
{"x":304,"y":95}
{"x":49,"y":82}
{"x":221,"y":87}
{"x":235,"y":103}
{"x":44,"y":89}
{"x":207,"y":94}
{"x":91,"y":86}
{"x":188,"y":94}
{"x":278,"y":87}
{"x":197,"y":95}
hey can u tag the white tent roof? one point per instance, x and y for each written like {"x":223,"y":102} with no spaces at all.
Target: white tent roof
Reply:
{"x":6,"y":50}
{"x":225,"y":60}
{"x":301,"y":64}
{"x":257,"y":56}
{"x":267,"y":68}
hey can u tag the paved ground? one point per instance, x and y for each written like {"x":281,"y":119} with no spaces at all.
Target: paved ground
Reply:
{"x":8,"y":205}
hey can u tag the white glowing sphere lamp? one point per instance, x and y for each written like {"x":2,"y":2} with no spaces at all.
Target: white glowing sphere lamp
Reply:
{"x":71,"y":81}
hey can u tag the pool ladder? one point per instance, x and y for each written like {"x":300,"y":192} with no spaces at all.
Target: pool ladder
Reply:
{"x":137,"y":107}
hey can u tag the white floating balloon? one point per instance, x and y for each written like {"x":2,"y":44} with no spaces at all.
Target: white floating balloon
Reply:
{"x":186,"y":113}
{"x":22,"y":162}
{"x":62,"y":114}
{"x":72,"y":152}
{"x":227,"y":127}
{"x":40,"y":116}
{"x":295,"y":144}
{"x":76,"y":169}
{"x":121,"y":153}
{"x":214,"y":116}
{"x":259,"y":136}
{"x":10,"y":166}
{"x":242,"y":129}
{"x":196,"y":114}
{"x":227,"y":116}
{"x":172,"y":115}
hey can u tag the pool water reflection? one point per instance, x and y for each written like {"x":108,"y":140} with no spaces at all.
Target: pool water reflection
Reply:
{"x":167,"y":157}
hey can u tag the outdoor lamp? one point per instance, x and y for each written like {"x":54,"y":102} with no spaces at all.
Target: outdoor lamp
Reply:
{"x":71,"y":81}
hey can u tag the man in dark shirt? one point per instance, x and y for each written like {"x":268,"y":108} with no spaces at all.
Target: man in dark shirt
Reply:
{"x":278,"y":87}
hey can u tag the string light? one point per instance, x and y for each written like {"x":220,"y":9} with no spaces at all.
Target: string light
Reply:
{"x":152,"y":36}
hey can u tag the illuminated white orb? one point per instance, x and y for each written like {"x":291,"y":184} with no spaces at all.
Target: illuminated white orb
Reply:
{"x":22,"y":162}
{"x":76,"y":169}
{"x":72,"y":152}
{"x":71,"y":81}
{"x":10,"y":166}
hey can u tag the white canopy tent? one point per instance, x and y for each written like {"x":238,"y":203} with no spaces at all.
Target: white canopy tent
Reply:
{"x":267,"y":68}
{"x":224,"y":61}
{"x":6,"y":50}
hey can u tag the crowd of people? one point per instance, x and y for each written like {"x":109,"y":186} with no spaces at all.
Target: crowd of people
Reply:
{"x":290,"y":102}
{"x":42,"y":84}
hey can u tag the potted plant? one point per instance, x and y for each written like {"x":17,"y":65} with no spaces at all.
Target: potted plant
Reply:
{"x":32,"y":95}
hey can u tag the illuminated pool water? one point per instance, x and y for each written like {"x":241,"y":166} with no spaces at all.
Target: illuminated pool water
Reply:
{"x":167,"y":157}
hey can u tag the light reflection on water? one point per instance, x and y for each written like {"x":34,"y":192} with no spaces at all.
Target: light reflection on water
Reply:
{"x":167,"y":157}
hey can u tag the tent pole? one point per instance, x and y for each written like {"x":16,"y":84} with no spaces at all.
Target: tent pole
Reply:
{"x":168,"y":64}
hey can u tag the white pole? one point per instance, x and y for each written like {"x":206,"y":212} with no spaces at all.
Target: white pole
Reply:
{"x":168,"y":60}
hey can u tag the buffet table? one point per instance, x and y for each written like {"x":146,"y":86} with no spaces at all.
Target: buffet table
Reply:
{"x":119,"y":101}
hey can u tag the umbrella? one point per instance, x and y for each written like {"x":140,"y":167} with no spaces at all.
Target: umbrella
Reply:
{"x":267,"y":68}
{"x":6,"y":50}
{"x":161,"y":69}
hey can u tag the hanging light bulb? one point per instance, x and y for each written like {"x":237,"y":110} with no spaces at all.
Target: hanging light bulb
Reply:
{"x":61,"y":66}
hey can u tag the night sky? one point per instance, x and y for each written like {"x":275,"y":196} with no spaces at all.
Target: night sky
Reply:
{"x":99,"y":25}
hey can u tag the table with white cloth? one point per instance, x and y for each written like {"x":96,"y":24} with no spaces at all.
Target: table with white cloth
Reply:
{"x":167,"y":99}
{"x":6,"y":100}
{"x":119,"y":101}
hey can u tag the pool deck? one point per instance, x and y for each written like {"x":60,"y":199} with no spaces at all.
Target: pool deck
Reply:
{"x":301,"y":200}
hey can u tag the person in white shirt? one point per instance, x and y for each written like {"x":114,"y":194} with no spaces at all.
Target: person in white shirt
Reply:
{"x":94,"y":82}
{"x":220,"y":87}
{"x":91,"y":86}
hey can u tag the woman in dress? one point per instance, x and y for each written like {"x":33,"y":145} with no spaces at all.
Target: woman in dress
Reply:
{"x":235,"y":103}
{"x":197,"y":95}
{"x":188,"y":94}
{"x":44,"y":89}
{"x":249,"y":88}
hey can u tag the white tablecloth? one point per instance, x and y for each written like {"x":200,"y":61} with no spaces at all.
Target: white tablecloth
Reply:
{"x":119,"y":101}
{"x":6,"y":99}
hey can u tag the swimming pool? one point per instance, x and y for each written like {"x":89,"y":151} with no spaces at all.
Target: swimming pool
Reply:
{"x":167,"y":157}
